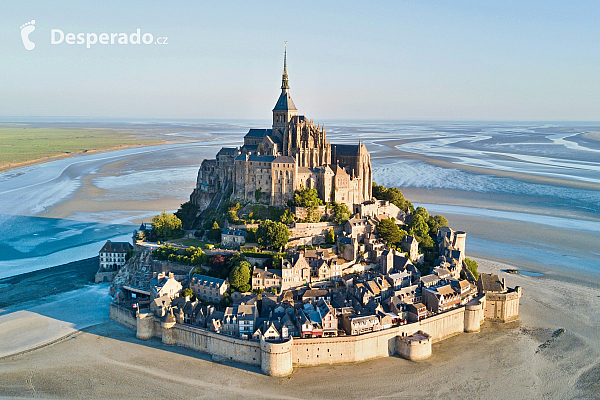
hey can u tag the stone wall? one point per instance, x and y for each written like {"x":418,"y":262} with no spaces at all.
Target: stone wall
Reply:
{"x":344,"y":349}
{"x":441,"y":326}
{"x":314,"y":229}
{"x":412,"y":341}
{"x":221,"y":347}
{"x":106,"y":276}
{"x":122,"y":315}
{"x":502,"y":307}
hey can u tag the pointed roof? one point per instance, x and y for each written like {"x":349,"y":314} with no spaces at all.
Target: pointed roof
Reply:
{"x":284,"y":78}
{"x":285,"y":102}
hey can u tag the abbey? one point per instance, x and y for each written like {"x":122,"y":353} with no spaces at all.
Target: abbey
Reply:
{"x":274,"y":162}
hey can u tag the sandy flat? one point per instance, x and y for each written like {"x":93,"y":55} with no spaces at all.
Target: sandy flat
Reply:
{"x":500,"y":362}
{"x":57,"y":317}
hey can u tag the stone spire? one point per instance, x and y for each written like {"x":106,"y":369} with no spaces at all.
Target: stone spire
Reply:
{"x":284,"y":78}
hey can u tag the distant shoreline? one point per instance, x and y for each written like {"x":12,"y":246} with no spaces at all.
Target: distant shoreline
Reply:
{"x":15,"y":166}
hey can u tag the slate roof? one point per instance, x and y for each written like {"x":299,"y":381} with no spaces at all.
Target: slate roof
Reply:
{"x":430,"y":279}
{"x":233,"y":232}
{"x":207,"y":280}
{"x":115,"y":247}
{"x":345,"y":149}
{"x":285,"y":159}
{"x":259,"y":132}
{"x":227,"y":151}
{"x":261,"y":158}
{"x":491,"y":283}
{"x":284,"y":102}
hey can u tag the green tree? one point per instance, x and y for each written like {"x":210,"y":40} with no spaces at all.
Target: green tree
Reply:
{"x":187,"y":292}
{"x":272,"y":234}
{"x":393,"y":195}
{"x":287,"y":217}
{"x":187,"y":213}
{"x":341,"y":213}
{"x":258,"y":194}
{"x":472,"y":266}
{"x":418,"y":225}
{"x":214,"y":233}
{"x":330,"y":237}
{"x":306,"y":197}
{"x":240,"y":276}
{"x":390,"y":232}
{"x":167,"y":226}
{"x":197,"y":256}
{"x":141,"y":236}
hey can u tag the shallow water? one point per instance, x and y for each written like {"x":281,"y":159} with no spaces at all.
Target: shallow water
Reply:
{"x":63,"y":210}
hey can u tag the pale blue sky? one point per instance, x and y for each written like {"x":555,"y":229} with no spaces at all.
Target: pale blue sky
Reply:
{"x":508,"y":60}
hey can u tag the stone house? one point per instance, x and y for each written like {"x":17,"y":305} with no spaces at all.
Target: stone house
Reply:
{"x":359,"y":324}
{"x":208,"y":288}
{"x":416,"y":312}
{"x":359,"y":227}
{"x":399,"y":280}
{"x":112,"y":256}
{"x":326,"y":270}
{"x":295,"y":272}
{"x":409,"y":294}
{"x":233,"y":237}
{"x":430,"y":280}
{"x":271,"y":331}
{"x":411,"y":246}
{"x":465,"y":290}
{"x":162,"y":284}
{"x":393,"y":261}
{"x":239,"y":320}
{"x":329,"y":320}
{"x":441,"y":298}
{"x":266,"y":279}
{"x":347,"y":247}
{"x":491,"y":283}
{"x":376,"y":207}
{"x":317,"y":321}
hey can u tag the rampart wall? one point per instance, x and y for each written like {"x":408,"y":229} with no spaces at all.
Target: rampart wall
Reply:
{"x":412,"y":341}
{"x":502,"y":307}
{"x":122,"y":315}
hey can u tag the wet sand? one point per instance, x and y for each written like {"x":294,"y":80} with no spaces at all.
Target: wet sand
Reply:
{"x":32,"y":287}
{"x":503,"y":361}
{"x":392,"y":151}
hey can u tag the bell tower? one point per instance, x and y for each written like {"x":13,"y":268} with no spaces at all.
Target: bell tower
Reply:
{"x":284,"y":108}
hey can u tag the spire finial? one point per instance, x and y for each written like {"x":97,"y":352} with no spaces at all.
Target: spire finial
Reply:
{"x":284,"y":79}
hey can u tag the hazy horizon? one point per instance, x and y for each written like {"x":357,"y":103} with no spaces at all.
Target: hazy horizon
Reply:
{"x":464,"y":61}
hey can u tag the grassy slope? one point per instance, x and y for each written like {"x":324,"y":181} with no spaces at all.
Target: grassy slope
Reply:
{"x":27,"y":144}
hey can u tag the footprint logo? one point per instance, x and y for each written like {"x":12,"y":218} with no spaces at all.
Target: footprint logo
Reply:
{"x":26,"y":29}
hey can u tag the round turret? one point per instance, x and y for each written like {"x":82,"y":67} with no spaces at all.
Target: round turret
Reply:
{"x":276,"y":358}
{"x":168,"y":333}
{"x":415,"y":347}
{"x":145,"y":325}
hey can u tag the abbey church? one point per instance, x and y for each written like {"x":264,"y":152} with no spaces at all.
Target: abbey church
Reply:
{"x":274,"y":162}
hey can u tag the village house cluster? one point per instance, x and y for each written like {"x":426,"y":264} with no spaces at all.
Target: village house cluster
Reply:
{"x":317,"y":293}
